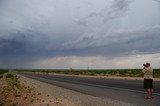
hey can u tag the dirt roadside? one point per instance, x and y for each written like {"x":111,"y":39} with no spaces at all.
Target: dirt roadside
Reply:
{"x":16,"y":91}
{"x":45,"y":96}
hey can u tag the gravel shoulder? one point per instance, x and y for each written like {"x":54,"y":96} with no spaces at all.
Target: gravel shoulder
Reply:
{"x":45,"y":93}
{"x":20,"y":91}
{"x":65,"y":97}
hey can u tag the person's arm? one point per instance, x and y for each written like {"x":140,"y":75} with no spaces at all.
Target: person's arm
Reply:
{"x":144,"y":70}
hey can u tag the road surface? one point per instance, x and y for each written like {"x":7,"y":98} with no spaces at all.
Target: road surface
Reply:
{"x":130,"y":91}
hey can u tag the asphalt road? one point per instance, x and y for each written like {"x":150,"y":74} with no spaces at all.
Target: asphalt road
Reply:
{"x":130,"y":91}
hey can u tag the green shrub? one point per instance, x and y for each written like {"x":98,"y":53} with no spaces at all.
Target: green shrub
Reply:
{"x":3,"y":71}
{"x":9,"y":75}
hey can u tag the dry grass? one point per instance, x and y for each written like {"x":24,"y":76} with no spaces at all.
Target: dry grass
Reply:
{"x":14,"y":93}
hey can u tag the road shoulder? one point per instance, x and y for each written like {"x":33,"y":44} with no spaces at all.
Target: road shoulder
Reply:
{"x":70,"y":98}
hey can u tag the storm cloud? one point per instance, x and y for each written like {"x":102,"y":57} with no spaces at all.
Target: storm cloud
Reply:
{"x":33,"y":31}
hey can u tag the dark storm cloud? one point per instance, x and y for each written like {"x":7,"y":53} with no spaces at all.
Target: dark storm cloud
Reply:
{"x":116,"y":10}
{"x":27,"y":45}
{"x":33,"y":30}
{"x":24,"y":46}
{"x":143,"y":41}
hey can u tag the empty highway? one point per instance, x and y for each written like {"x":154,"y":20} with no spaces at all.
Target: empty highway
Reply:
{"x":130,"y":91}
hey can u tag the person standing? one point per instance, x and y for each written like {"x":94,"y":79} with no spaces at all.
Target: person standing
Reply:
{"x":148,"y":80}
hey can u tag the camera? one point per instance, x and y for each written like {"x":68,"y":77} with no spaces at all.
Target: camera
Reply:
{"x":144,"y":65}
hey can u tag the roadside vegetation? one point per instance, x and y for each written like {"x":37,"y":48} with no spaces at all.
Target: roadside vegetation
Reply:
{"x":3,"y":71}
{"x":13,"y":92}
{"x":98,"y":72}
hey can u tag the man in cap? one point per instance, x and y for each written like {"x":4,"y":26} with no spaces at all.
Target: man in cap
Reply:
{"x":148,"y":80}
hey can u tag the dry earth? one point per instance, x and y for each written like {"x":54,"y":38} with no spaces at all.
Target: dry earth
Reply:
{"x":44,"y":97}
{"x":25,"y":94}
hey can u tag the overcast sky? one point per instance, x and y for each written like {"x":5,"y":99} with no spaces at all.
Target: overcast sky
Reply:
{"x":79,"y":33}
